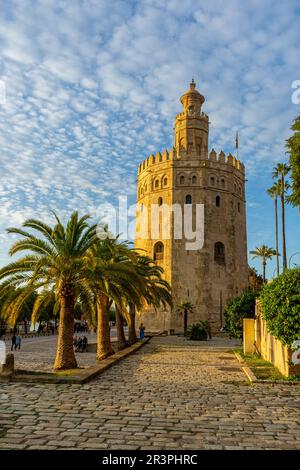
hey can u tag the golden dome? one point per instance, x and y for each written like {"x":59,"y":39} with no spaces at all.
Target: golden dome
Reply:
{"x":192,"y":95}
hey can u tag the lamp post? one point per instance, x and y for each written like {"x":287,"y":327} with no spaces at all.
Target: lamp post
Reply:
{"x":297,"y":253}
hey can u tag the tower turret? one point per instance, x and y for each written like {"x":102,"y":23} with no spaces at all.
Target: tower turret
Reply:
{"x":191,"y":126}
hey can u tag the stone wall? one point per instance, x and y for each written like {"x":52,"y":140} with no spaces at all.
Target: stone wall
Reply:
{"x":257,"y":339}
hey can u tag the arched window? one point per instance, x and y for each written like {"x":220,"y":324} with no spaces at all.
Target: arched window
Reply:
{"x":181,"y":180}
{"x":212,"y":181}
{"x":156,"y":185}
{"x":165,"y":181}
{"x":222,"y":183}
{"x":218,"y":201}
{"x":188,"y":199}
{"x":160,"y":201}
{"x":194,"y":179}
{"x":158,"y":251}
{"x":234,"y":187}
{"x":239,"y":207}
{"x":219,"y":253}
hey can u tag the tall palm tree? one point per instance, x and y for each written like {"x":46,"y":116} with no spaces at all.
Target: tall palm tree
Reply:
{"x":274,"y":192}
{"x":56,"y":265}
{"x":186,"y":308}
{"x":156,"y":292}
{"x":281,"y":171}
{"x":112,"y":277}
{"x":265,"y":253}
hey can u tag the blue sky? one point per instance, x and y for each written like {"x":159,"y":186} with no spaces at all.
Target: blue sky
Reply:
{"x":92,"y":88}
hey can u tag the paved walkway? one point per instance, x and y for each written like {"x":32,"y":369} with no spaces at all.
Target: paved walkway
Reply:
{"x":38,"y":353}
{"x":172,"y":394}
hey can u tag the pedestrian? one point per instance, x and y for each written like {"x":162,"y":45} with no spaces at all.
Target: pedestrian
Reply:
{"x":142,"y":331}
{"x":13,"y":342}
{"x":18,"y":341}
{"x":84,"y":344}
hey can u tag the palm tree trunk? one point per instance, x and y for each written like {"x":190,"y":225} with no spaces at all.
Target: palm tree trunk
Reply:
{"x":122,"y":343}
{"x":132,"y":337}
{"x":65,"y":356}
{"x":264,"y":270}
{"x":276,"y":233}
{"x":284,"y":261}
{"x":185,"y":322}
{"x":104,"y":348}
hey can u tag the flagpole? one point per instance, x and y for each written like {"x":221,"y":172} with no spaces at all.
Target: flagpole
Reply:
{"x":237,"y":144}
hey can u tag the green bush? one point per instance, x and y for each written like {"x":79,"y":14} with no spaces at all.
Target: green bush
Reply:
{"x":199,"y":331}
{"x":280,"y":306}
{"x":239,"y":308}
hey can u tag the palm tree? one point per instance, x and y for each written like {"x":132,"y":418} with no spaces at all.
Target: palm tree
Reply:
{"x":274,"y":192}
{"x":156,"y":292}
{"x":112,"y":277}
{"x":281,"y":171}
{"x":56,"y":265}
{"x":265,"y":253}
{"x":185,"y":308}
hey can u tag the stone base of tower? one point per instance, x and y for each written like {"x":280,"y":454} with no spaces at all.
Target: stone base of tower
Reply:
{"x":159,"y":321}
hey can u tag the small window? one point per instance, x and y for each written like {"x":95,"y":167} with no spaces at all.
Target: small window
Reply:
{"x":222,"y":183}
{"x":239,"y":207}
{"x":218,"y":201}
{"x":188,"y":199}
{"x":194,"y":179}
{"x":158,"y":251}
{"x":165,"y":181}
{"x":234,"y":187}
{"x":160,"y":201}
{"x":212,"y":181}
{"x":181,"y":180}
{"x":219,"y":254}
{"x":156,"y":184}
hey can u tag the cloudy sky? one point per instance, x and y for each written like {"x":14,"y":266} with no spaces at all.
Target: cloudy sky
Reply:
{"x":92,"y":87}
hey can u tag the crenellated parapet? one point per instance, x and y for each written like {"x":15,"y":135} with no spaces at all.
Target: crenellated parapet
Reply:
{"x":157,"y":159}
{"x":173,"y":155}
{"x":230,"y":159}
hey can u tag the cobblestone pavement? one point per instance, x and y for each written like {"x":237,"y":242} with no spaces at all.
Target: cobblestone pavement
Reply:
{"x":172,"y":394}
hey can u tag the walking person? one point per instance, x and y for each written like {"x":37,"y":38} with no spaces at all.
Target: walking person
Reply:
{"x":18,"y":341}
{"x":13,"y":342}
{"x":142,"y":331}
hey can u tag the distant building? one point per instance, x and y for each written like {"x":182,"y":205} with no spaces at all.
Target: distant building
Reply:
{"x":188,"y":175}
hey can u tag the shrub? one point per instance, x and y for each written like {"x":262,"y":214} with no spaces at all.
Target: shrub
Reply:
{"x":280,"y":306}
{"x":199,"y":331}
{"x":239,"y":308}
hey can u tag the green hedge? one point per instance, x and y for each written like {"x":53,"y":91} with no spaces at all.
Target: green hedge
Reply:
{"x":280,"y":306}
{"x":239,"y":308}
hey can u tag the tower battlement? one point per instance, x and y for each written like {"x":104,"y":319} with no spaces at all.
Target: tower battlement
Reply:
{"x":173,"y":155}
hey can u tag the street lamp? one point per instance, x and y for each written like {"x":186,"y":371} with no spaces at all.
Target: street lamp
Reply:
{"x":297,"y":253}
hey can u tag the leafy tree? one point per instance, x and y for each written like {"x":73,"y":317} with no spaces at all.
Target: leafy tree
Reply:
{"x":265,"y":253}
{"x":281,"y":171}
{"x":255,"y":280}
{"x":293,"y":149}
{"x":280,"y":305}
{"x":55,"y":264}
{"x":241,"y":307}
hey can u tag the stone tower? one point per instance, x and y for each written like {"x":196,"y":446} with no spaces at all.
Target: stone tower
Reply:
{"x":185,"y":178}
